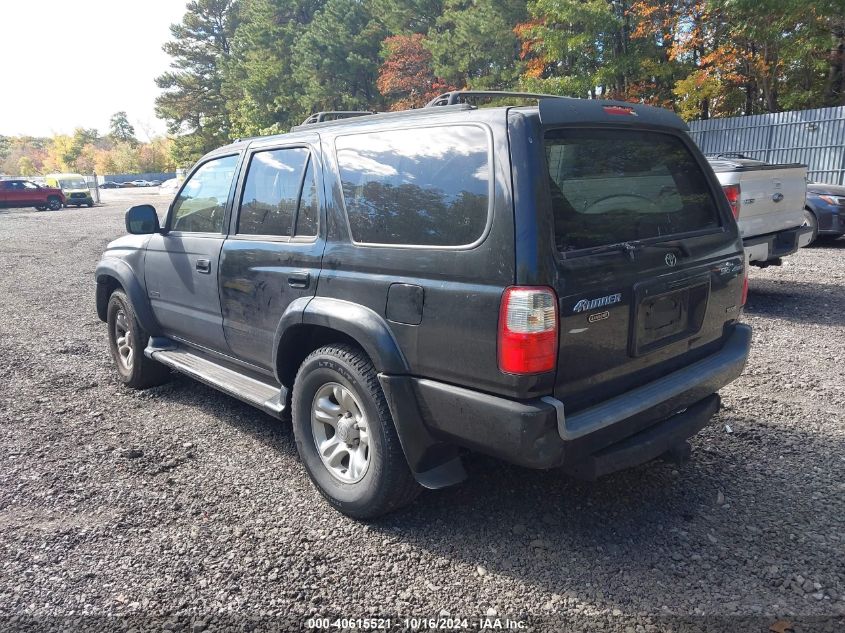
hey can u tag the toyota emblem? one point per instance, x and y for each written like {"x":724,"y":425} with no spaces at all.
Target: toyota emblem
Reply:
{"x":670,"y":259}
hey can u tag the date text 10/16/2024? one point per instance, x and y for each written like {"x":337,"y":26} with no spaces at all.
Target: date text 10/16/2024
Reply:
{"x":417,"y":624}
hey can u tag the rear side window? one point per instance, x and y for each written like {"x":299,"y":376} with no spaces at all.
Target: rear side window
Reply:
{"x":426,"y":186}
{"x":611,"y":186}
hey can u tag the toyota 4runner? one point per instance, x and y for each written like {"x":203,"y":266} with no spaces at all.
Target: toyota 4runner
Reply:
{"x":557,"y":285}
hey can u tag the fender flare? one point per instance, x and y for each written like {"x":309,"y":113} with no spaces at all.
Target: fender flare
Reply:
{"x":120,"y":271}
{"x":434,"y":464}
{"x":360,"y":323}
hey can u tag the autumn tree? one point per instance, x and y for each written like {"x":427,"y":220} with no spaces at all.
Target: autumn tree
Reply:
{"x":407,"y":77}
{"x":26,"y":167}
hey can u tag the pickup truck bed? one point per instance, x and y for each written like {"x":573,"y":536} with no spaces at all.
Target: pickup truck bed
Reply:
{"x":769,"y":204}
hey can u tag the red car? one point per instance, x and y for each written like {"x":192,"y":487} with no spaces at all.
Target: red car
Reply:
{"x":23,"y":193}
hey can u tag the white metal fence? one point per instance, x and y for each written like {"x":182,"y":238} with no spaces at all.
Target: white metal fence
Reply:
{"x":815,"y":138}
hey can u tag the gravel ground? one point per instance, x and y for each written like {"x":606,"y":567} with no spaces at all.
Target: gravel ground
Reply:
{"x":184,"y":509}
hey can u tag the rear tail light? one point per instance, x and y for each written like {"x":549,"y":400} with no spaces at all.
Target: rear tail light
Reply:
{"x":744,"y":297}
{"x":732,"y":193}
{"x":528,"y":330}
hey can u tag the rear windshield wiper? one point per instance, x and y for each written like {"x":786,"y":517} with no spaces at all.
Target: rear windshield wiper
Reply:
{"x":667,"y":245}
{"x":631,"y":248}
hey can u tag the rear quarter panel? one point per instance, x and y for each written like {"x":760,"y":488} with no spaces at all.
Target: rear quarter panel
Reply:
{"x":455,"y":340}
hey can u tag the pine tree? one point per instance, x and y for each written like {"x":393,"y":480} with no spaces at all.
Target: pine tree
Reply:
{"x":192,"y":102}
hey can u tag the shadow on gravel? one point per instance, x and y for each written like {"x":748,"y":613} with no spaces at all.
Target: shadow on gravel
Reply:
{"x":653,"y":533}
{"x":645,"y":531}
{"x":242,"y":417}
{"x":827,"y":242}
{"x":802,"y":301}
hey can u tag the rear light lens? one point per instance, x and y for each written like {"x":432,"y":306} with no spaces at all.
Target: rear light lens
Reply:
{"x":528,"y":330}
{"x":744,"y":297}
{"x":732,"y":193}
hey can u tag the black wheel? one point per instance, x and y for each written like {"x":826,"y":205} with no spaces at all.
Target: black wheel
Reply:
{"x":90,"y":204}
{"x":127,"y":341}
{"x":41,"y":207}
{"x":54,"y":203}
{"x":345,"y":434}
{"x":811,"y":221}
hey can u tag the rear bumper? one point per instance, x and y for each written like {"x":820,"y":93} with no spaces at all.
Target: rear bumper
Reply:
{"x":623,"y":431}
{"x":761,"y":248}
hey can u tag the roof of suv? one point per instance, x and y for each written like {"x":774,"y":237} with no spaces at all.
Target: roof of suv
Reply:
{"x":551,"y":111}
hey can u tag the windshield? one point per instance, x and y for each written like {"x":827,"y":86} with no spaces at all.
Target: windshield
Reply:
{"x":612,"y":186}
{"x":76,"y":183}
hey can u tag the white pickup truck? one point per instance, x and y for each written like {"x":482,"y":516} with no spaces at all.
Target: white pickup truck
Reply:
{"x":768,"y":203}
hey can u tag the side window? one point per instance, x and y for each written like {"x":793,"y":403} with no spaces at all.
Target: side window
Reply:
{"x":29,"y":185}
{"x":201,"y":204}
{"x":427,"y":186}
{"x":271,"y":192}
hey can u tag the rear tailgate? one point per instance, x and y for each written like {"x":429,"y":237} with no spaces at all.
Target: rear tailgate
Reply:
{"x":771,"y":197}
{"x":649,"y":268}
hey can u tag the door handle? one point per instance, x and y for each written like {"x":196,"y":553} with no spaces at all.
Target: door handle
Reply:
{"x":204,"y":266}
{"x":299,"y":280}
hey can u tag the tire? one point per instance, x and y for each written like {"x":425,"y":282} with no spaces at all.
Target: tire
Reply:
{"x":811,"y":221}
{"x":41,"y":207}
{"x":127,"y":341}
{"x":377,"y":479}
{"x":53,"y":203}
{"x":90,"y":204}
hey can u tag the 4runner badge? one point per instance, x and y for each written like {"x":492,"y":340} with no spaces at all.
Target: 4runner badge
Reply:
{"x":592,"y":304}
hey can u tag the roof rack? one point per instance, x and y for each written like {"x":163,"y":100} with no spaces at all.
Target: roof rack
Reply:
{"x":739,"y":155}
{"x":333,"y":115}
{"x":459,"y":96}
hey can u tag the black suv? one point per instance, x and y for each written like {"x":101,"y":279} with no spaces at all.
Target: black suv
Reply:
{"x":557,"y":285}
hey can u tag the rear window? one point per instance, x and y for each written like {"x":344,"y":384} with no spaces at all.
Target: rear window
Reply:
{"x":426,"y":186}
{"x":611,"y":186}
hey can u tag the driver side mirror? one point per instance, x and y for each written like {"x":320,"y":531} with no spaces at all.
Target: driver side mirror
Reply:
{"x":142,"y":219}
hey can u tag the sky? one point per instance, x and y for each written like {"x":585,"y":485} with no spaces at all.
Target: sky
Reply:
{"x":74,"y":64}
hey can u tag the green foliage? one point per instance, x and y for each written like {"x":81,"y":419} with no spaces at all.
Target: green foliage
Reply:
{"x":405,"y":17}
{"x":336,"y":58}
{"x":192,"y":101}
{"x":474,"y":44}
{"x":251,"y":67}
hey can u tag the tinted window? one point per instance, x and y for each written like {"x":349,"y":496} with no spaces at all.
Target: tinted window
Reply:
{"x":271,"y":192}
{"x":612,"y":186}
{"x":201,"y":204}
{"x":309,"y":207}
{"x":426,"y":186}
